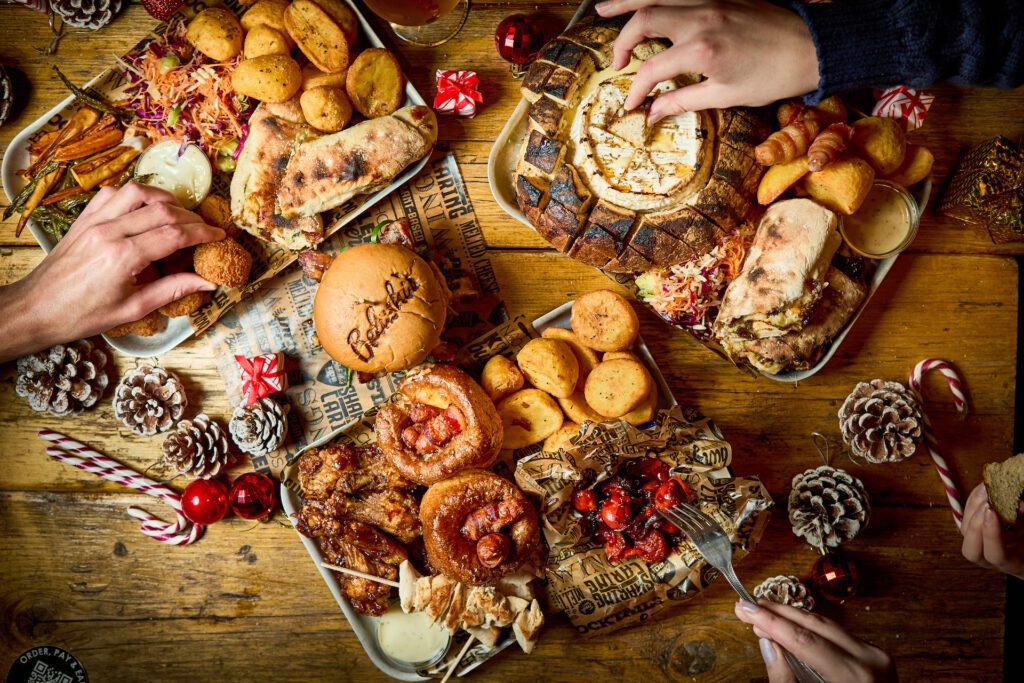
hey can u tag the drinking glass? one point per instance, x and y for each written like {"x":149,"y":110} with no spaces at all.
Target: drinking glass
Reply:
{"x":422,"y":22}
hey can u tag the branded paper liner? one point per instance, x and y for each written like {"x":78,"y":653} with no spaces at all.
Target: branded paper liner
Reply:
{"x":324,"y":395}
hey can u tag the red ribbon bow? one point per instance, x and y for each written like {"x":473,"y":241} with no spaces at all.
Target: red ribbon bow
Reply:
{"x":903,"y":104}
{"x":261,"y":376}
{"x":457,"y":92}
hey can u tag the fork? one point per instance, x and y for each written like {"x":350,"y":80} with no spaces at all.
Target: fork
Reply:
{"x":713,"y":543}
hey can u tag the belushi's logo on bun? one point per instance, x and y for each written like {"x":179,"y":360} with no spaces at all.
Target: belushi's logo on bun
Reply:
{"x":379,"y":317}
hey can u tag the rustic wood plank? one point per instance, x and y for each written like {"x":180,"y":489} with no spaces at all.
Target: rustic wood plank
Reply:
{"x":128,"y":605}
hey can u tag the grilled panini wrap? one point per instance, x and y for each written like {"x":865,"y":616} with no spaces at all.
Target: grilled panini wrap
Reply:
{"x":784,"y":273}
{"x":327,"y":172}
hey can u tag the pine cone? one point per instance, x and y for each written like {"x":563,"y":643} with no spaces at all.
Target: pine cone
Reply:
{"x":149,"y":400}
{"x":785,"y":590}
{"x":827,"y":506}
{"x":65,"y":379}
{"x":198,"y":447}
{"x":258,"y":429}
{"x":881,"y":421}
{"x":91,"y":14}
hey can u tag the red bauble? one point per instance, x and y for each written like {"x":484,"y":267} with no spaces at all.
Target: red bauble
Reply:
{"x":162,"y":9}
{"x":836,"y":577}
{"x":518,"y":38}
{"x":253,"y":496}
{"x":205,"y":501}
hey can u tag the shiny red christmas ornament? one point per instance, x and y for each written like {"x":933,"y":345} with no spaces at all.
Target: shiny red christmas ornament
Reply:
{"x":205,"y":501}
{"x":518,"y":38}
{"x":253,"y":496}
{"x":836,"y":577}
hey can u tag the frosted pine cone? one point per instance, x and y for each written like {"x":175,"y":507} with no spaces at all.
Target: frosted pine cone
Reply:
{"x":828,"y":506}
{"x":198,"y":448}
{"x":258,"y":429}
{"x":91,"y":14}
{"x":785,"y":590}
{"x":881,"y":421}
{"x":149,"y":400}
{"x":64,"y":379}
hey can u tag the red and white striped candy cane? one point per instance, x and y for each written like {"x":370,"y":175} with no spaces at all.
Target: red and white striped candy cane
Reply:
{"x":181,"y":532}
{"x":956,"y":387}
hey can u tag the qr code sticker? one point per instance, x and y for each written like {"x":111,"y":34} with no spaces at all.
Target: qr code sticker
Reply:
{"x":44,"y":673}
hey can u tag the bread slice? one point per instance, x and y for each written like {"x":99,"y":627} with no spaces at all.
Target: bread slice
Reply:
{"x":1004,"y":482}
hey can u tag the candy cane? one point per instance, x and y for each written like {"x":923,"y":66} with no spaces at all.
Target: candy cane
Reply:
{"x":960,"y":401}
{"x":181,"y":532}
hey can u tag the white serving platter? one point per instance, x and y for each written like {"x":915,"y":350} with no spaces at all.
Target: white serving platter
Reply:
{"x":365,"y":627}
{"x":179,"y":329}
{"x":501,"y":164}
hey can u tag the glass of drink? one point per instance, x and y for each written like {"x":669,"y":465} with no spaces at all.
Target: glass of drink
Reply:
{"x":422,"y":22}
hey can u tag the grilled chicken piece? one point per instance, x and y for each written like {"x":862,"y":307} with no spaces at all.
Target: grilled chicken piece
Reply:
{"x":360,"y":547}
{"x":340,"y":467}
{"x":393,"y":511}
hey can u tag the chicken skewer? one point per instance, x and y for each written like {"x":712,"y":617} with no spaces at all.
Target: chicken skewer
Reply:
{"x":455,"y":662}
{"x":483,"y":611}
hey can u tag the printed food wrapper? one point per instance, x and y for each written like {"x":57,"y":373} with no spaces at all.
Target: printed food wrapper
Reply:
{"x":597,"y":595}
{"x":326,"y":397}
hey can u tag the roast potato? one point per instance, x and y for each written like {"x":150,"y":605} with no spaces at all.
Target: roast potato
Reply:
{"x":842,"y":185}
{"x":612,"y":355}
{"x":549,"y":365}
{"x":615,"y":387}
{"x":604,"y":321}
{"x":264,"y":40}
{"x":216,"y":211}
{"x":501,"y":377}
{"x":313,"y":77}
{"x":216,"y":33}
{"x":326,"y":108}
{"x":317,"y":35}
{"x":270,"y":78}
{"x":585,"y":357}
{"x":375,"y":83}
{"x":562,"y":436}
{"x":268,"y":12}
{"x":647,"y":409}
{"x":344,"y":17}
{"x":779,"y":178}
{"x":916,"y":166}
{"x":578,"y":410}
{"x":529,"y":416}
{"x":881,"y":141}
{"x":831,"y":110}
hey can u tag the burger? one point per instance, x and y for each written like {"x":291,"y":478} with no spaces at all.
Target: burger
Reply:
{"x":380,"y":308}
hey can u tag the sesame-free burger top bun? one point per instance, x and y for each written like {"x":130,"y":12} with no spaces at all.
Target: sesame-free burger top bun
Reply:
{"x":380,"y":308}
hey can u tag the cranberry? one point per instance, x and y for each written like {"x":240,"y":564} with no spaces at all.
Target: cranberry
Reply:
{"x":669,"y":528}
{"x":652,"y":546}
{"x":615,"y":490}
{"x":615,"y":546}
{"x":615,"y":514}
{"x":649,"y":488}
{"x":584,"y":501}
{"x":653,"y":469}
{"x":669,"y":494}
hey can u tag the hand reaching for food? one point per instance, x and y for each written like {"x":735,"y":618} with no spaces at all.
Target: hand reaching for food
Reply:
{"x":100,"y":274}
{"x":819,"y":642}
{"x":750,"y":51}
{"x":986,"y":543}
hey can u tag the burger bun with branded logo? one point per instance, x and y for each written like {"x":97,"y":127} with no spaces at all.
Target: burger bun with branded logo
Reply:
{"x":380,"y":308}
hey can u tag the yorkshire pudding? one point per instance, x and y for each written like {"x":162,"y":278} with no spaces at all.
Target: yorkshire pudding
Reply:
{"x":441,"y":423}
{"x":478,"y":527}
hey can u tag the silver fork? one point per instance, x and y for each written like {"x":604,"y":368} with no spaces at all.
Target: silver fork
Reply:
{"x":714,"y":544}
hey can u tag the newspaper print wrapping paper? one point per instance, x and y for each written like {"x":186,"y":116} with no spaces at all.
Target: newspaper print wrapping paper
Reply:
{"x":598,"y":596}
{"x":326,"y":398}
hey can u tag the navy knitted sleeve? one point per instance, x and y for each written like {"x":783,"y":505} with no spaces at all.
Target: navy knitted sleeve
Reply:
{"x":879,"y":43}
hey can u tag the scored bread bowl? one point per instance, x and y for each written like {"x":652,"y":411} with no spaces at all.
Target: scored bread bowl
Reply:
{"x":612,"y":191}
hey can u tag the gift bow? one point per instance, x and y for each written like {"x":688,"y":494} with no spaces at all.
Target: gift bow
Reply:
{"x":457,"y":92}
{"x":903,"y":104}
{"x":261,"y":376}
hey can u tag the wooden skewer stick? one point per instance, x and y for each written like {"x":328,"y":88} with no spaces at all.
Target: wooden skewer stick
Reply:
{"x":361,"y":575}
{"x":462,"y":653}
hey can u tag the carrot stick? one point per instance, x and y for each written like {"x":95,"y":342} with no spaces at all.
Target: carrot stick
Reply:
{"x":92,"y":178}
{"x":89,"y":143}
{"x":79,"y":121}
{"x":41,"y":188}
{"x":43,"y":143}
{"x":62,"y":195}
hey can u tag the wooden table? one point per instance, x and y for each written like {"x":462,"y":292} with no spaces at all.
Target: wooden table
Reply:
{"x":246,"y":601}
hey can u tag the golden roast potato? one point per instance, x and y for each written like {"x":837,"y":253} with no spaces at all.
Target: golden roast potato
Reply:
{"x":549,"y":365}
{"x":216,"y":33}
{"x":529,"y":416}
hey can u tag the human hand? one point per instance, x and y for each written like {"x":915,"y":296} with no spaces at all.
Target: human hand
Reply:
{"x":986,"y":543}
{"x":750,"y":51}
{"x":820,"y":643}
{"x":88,"y":283}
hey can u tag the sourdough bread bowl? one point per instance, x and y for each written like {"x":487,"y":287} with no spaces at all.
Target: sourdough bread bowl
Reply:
{"x":610,"y":190}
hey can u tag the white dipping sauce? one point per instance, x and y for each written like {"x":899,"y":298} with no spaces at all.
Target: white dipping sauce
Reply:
{"x":187,"y":177}
{"x":410,"y":637}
